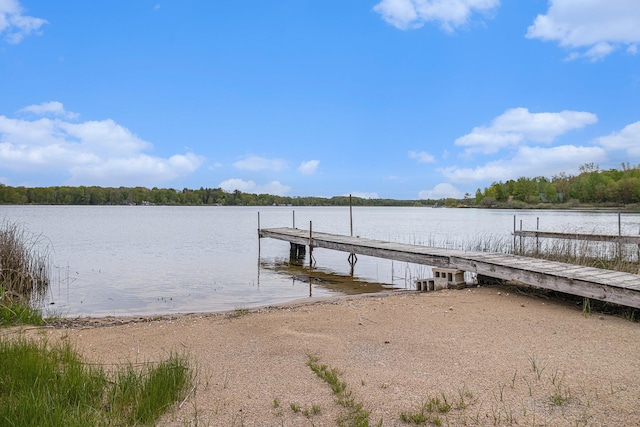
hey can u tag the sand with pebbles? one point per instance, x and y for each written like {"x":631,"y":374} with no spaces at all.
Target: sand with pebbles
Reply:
{"x":497,"y":356}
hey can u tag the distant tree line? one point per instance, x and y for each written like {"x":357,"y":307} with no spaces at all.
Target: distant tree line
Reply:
{"x":63,"y":195}
{"x":590,"y":186}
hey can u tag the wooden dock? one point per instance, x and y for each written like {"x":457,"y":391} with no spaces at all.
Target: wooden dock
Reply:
{"x":604,"y":285}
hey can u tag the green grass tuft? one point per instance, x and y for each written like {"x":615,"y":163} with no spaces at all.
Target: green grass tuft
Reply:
{"x":19,"y":314}
{"x":355,"y":415}
{"x":45,"y":385}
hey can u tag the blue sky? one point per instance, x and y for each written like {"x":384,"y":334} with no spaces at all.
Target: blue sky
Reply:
{"x":401,"y":99}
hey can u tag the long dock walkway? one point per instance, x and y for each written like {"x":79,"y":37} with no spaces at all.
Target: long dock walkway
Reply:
{"x":604,"y":285}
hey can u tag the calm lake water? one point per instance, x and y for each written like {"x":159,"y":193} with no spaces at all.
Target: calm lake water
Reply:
{"x":141,"y":260}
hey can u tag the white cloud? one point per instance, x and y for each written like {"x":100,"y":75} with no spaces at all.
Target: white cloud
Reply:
{"x":627,"y":139}
{"x":256,"y":163}
{"x":309,"y":168}
{"x":14,"y":26}
{"x":92,"y":152}
{"x":450,"y":14}
{"x":53,"y":108}
{"x":443,"y":190}
{"x":593,"y":28}
{"x":422,"y":157}
{"x":529,"y":162}
{"x":518,"y":125}
{"x":273,"y":187}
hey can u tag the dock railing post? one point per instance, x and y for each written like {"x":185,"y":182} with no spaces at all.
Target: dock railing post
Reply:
{"x":352,"y":256}
{"x":521,"y":238}
{"x":619,"y":234}
{"x":619,"y":224}
{"x":350,"y":215}
{"x":514,"y":234}
{"x":294,"y":219}
{"x":258,"y":234}
{"x":537,"y":238}
{"x":310,"y":243}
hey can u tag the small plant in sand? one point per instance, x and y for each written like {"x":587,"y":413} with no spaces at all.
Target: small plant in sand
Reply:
{"x":355,"y":415}
{"x":239,"y":312}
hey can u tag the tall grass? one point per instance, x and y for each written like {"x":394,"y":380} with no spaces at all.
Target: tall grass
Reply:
{"x":51,"y":386}
{"x":24,"y":265}
{"x":606,"y":255}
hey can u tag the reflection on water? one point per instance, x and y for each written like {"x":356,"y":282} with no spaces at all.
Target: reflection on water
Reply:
{"x":323,"y":278}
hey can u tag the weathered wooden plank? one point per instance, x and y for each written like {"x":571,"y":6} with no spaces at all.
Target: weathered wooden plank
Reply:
{"x":605,"y":285}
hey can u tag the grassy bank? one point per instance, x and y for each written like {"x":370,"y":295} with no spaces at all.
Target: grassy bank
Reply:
{"x":50,"y":386}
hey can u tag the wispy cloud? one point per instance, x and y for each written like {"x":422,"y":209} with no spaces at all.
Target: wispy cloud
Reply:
{"x":14,"y":24}
{"x":591,"y":29}
{"x":422,"y":157}
{"x":273,"y":187}
{"x":309,"y":167}
{"x":518,"y":125}
{"x":256,"y":163}
{"x":450,"y":14}
{"x":53,"y":108}
{"x":92,"y":152}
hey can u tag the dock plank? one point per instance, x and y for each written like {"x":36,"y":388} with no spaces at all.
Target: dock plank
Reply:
{"x":604,"y":285}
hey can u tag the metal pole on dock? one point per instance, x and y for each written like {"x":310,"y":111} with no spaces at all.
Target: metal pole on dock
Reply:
{"x":258,"y":236}
{"x":310,"y":259}
{"x":619,"y":234}
{"x":310,"y":243}
{"x":537,"y":238}
{"x":350,"y":215}
{"x":619,"y":224}
{"x":521,"y":237}
{"x":294,"y":219}
{"x":514,"y":234}
{"x":352,"y":256}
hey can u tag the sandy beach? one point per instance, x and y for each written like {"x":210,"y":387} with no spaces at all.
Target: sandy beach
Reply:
{"x":497,"y":356}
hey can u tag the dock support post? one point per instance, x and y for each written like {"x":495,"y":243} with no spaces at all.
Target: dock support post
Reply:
{"x":297,"y":252}
{"x":258,"y":235}
{"x":619,"y":234}
{"x":489,"y":281}
{"x":350,"y":216}
{"x":537,"y":238}
{"x":352,"y":256}
{"x":311,"y":260}
{"x":521,"y":243}
{"x":514,"y":234}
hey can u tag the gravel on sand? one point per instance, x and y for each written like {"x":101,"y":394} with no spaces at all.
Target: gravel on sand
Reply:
{"x":494,"y":355}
